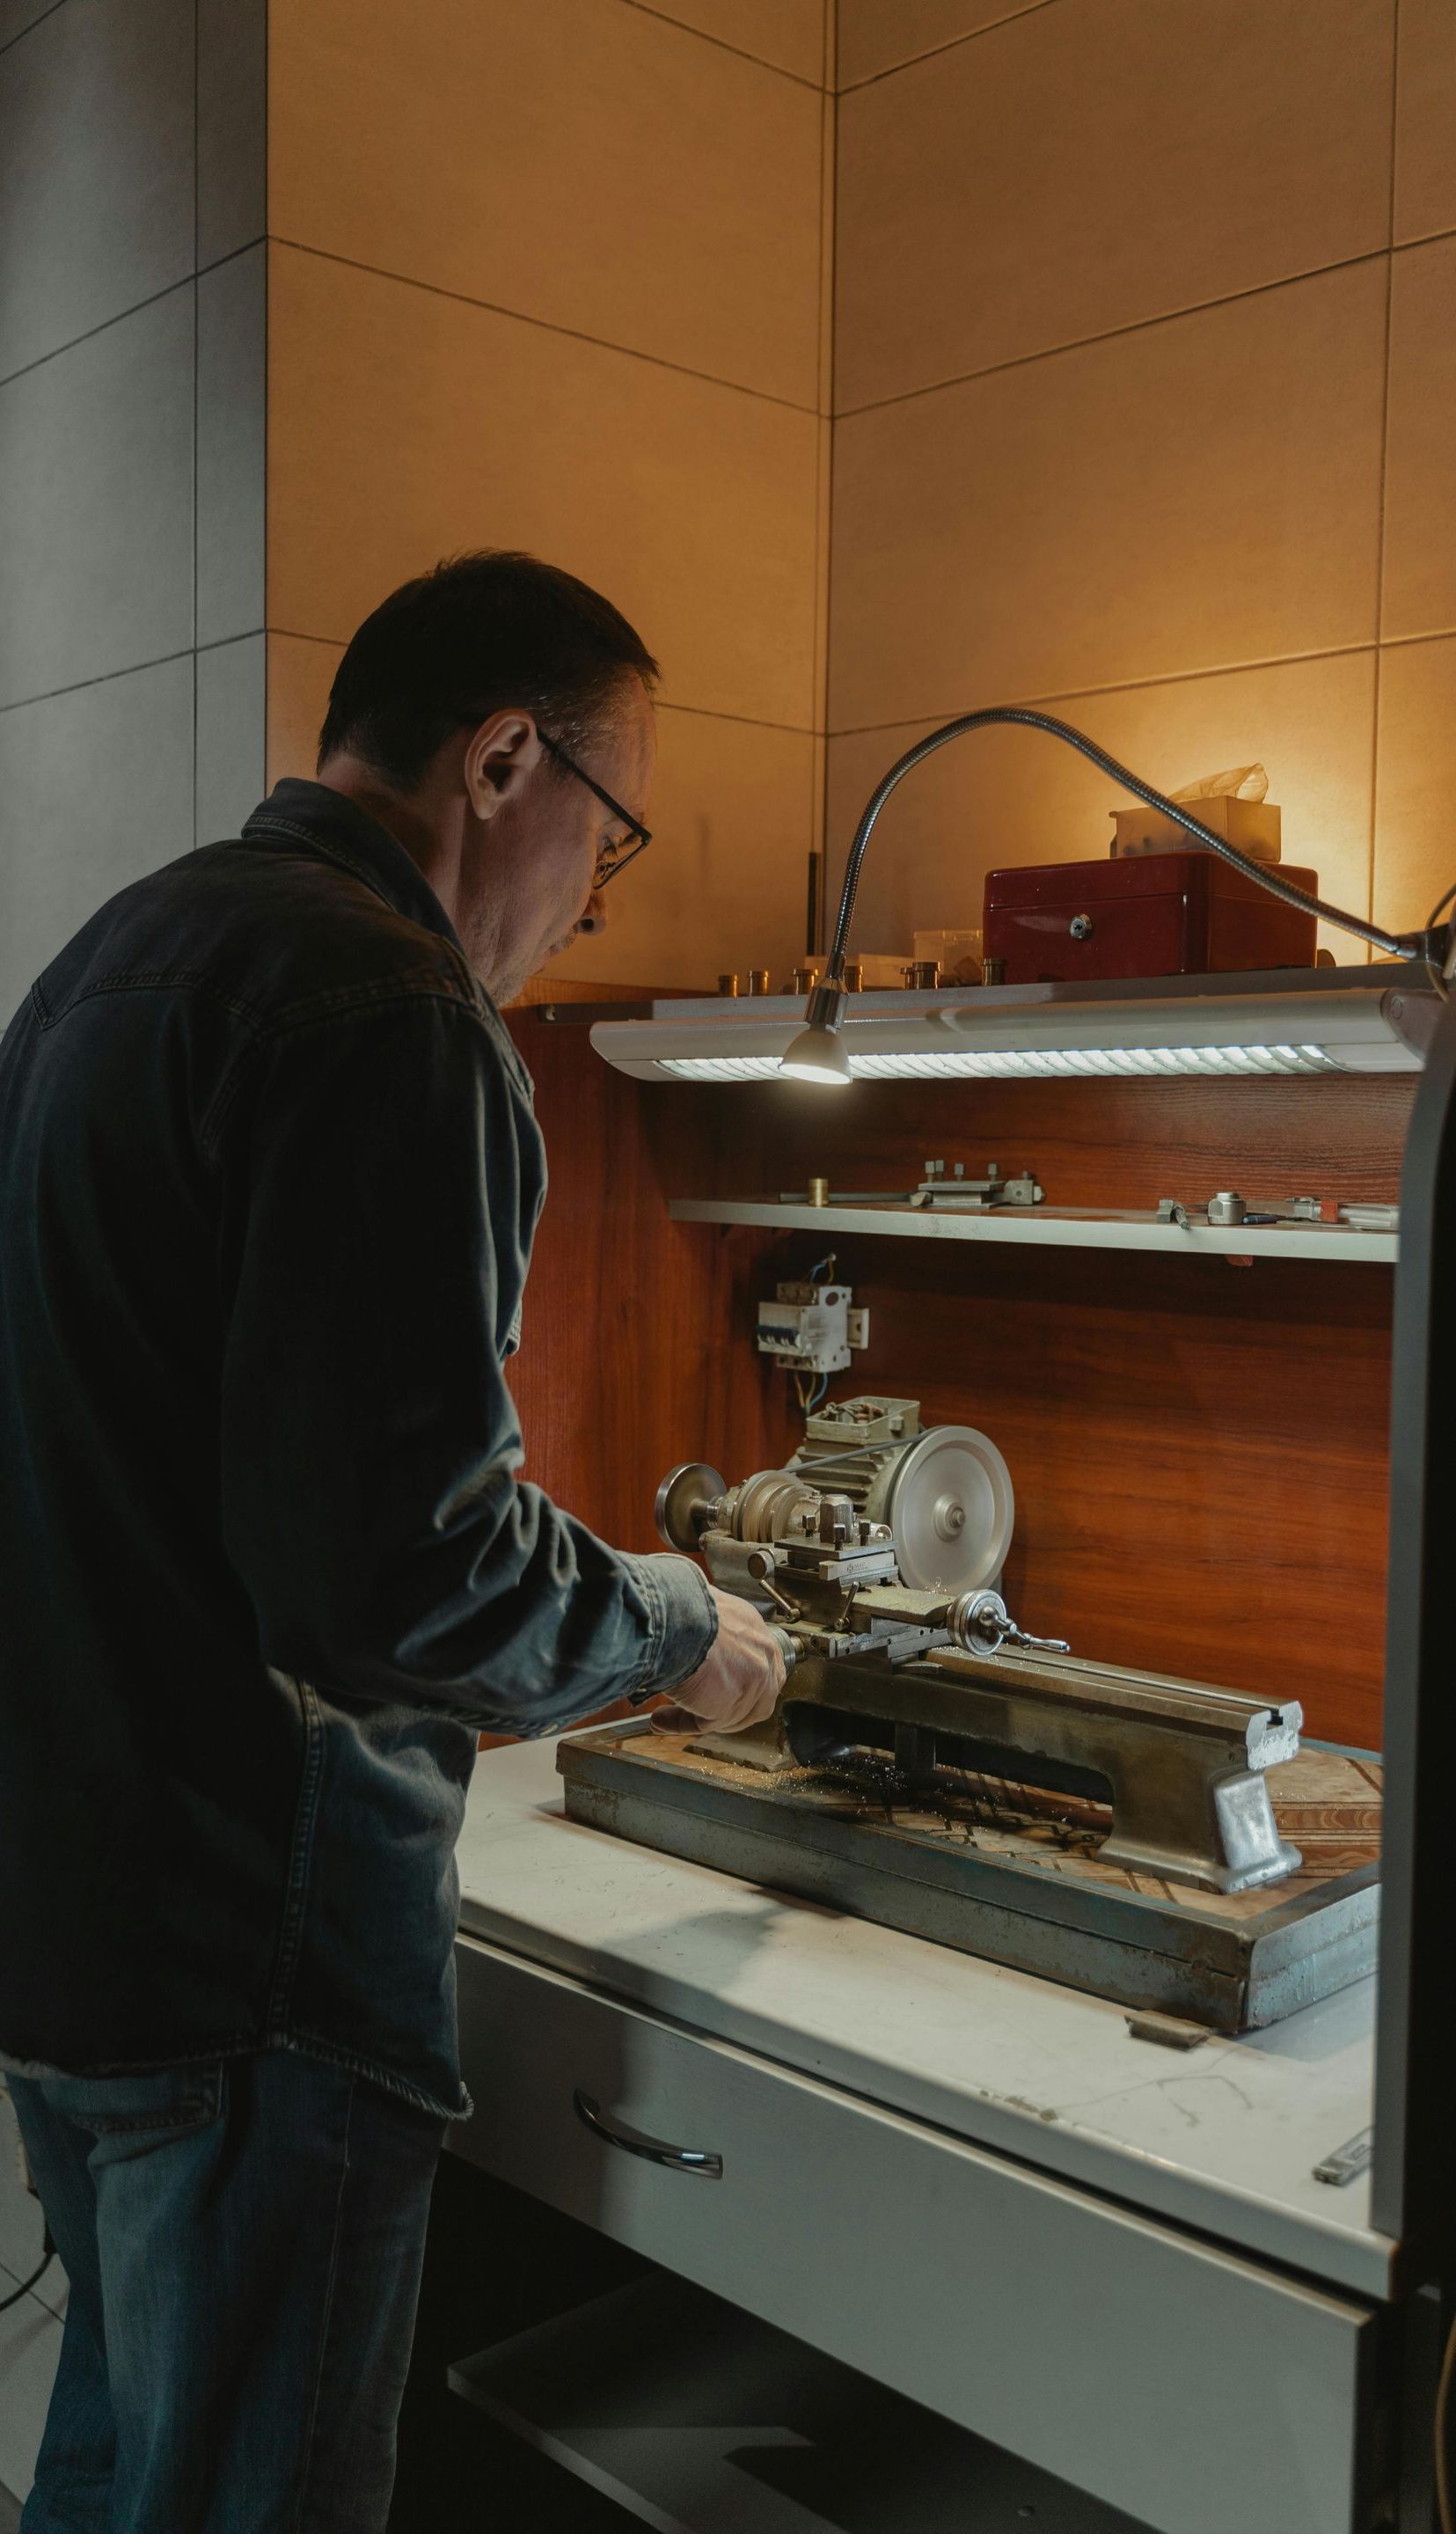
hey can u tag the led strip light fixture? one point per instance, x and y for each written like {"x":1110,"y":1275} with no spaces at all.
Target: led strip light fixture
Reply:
{"x":1293,"y":1021}
{"x":1316,"y":1021}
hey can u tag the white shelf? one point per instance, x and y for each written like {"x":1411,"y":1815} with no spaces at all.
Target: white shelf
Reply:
{"x":1053,"y":1226}
{"x":698,"y":2419}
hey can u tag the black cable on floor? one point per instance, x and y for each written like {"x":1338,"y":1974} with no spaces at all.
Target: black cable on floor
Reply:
{"x":47,"y":2258}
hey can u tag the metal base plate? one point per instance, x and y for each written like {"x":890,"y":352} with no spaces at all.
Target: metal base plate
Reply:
{"x":1018,"y":1895}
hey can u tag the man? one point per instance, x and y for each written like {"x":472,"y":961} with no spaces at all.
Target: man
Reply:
{"x":268,"y":1177}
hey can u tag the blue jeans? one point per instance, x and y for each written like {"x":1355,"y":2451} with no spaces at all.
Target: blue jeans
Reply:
{"x":243,"y":2242}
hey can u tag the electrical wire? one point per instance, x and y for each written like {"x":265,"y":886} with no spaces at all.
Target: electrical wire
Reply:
{"x":825,"y":1265}
{"x":1440,"y":908}
{"x":819,"y":1395}
{"x":1398,"y":945}
{"x":47,"y":2257}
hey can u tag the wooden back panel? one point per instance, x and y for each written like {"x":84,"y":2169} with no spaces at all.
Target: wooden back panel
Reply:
{"x":1199,"y":1451}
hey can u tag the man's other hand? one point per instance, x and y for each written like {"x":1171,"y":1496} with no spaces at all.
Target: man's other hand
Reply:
{"x":740,"y":1681}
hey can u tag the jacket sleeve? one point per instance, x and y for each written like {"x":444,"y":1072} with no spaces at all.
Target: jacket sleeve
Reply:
{"x":381,"y":1172}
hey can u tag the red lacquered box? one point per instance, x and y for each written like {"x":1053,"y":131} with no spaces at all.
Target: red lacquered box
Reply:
{"x":1152,"y":915}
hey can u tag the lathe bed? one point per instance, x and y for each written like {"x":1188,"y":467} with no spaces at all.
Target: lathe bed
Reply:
{"x":988,"y":1877}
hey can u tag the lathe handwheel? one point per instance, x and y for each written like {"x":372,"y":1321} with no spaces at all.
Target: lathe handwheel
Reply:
{"x":683,"y":1500}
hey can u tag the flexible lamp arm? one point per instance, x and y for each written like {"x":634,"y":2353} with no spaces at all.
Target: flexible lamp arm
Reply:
{"x":1399,"y":946}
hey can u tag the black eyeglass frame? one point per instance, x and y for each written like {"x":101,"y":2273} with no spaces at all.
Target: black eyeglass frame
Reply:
{"x":633,"y":826}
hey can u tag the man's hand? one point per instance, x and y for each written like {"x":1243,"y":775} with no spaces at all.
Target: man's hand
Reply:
{"x":739,"y":1680}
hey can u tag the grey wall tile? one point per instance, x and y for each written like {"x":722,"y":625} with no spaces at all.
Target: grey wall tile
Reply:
{"x":98,"y":789}
{"x":96,"y":504}
{"x":231,"y":734}
{"x":95,"y":169}
{"x":232,"y":125}
{"x":231,"y":425}
{"x":16,"y":15}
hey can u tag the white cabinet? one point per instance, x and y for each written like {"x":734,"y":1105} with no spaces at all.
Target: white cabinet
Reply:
{"x":1193,"y":2388}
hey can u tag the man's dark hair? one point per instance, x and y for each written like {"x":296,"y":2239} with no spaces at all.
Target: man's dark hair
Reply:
{"x":476,"y":636}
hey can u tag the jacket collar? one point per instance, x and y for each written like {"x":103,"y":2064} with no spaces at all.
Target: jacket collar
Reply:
{"x":326,"y":822}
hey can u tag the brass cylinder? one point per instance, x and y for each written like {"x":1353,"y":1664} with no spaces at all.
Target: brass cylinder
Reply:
{"x":819,"y":1192}
{"x":992,"y":972}
{"x":728,"y":984}
{"x":805,"y":979}
{"x":854,"y":976}
{"x":757,"y":981}
{"x":923,"y":976}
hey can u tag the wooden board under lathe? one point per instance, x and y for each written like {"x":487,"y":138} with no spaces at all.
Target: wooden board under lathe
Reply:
{"x":1029,"y":1893}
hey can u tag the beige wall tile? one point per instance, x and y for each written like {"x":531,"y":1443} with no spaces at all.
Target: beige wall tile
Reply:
{"x":1425,"y":120}
{"x":876,"y":36}
{"x":405,"y":426}
{"x":1420,"y":561}
{"x":1196,"y":494}
{"x":999,"y":797}
{"x":1069,"y":174}
{"x":1415,"y":782}
{"x":299,"y":677}
{"x":790,"y":34}
{"x":726,"y":882}
{"x":640,"y":186}
{"x":732,"y":814}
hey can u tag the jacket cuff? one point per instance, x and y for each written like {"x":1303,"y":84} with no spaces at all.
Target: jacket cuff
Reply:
{"x":682,"y":1620}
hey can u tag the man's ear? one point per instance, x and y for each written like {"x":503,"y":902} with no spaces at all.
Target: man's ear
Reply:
{"x":499,"y":757}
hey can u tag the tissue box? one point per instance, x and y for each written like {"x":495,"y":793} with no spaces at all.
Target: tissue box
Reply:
{"x":956,"y":954}
{"x":1251,"y":826}
{"x":1155,"y":915}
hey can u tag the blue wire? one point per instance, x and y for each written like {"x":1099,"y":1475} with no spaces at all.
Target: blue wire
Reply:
{"x":819,"y":1394}
{"x":814,"y":1273}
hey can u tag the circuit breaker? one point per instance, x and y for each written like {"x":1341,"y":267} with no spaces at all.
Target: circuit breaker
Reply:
{"x":812,"y":1328}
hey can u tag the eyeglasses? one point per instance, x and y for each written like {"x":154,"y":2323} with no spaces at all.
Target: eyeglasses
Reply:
{"x":613,"y":858}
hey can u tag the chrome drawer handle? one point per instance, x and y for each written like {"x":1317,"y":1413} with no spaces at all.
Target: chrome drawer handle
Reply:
{"x":678,"y":2159}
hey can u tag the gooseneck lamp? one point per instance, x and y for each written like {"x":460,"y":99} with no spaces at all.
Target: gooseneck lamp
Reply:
{"x":818,"y":1054}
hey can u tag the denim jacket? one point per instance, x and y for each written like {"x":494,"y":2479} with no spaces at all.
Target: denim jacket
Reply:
{"x":268,"y":1178}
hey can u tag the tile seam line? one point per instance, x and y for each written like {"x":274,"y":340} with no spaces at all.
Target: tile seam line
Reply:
{"x":543,"y":325}
{"x":12,"y":40}
{"x":154,"y":298}
{"x":1423,"y":237}
{"x":1383,"y":496}
{"x":723,"y":45}
{"x":1117,"y":333}
{"x":952,"y":44}
{"x":665,"y":704}
{"x":132,"y":669}
{"x":197,"y":366}
{"x":1142,"y":685}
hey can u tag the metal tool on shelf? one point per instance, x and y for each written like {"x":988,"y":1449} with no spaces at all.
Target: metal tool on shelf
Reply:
{"x":1226,"y":1210}
{"x":944,"y":1189}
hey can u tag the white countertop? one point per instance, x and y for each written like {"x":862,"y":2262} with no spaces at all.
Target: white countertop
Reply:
{"x":1223,"y":2137}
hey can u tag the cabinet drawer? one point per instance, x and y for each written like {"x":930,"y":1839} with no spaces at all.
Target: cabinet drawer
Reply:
{"x":1182,"y":2383}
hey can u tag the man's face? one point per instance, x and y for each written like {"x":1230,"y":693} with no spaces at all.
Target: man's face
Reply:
{"x":529,"y":889}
